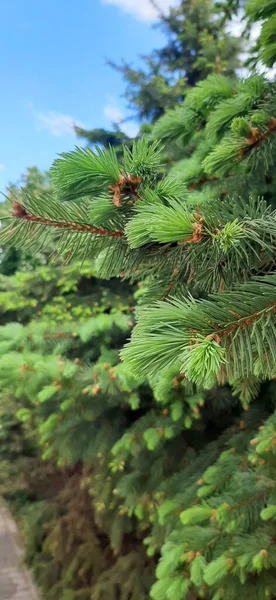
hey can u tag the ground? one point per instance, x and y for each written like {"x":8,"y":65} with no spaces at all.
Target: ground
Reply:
{"x":15,"y":581}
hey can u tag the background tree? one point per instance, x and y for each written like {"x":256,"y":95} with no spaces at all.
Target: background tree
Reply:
{"x":197,"y":44}
{"x":65,"y":400}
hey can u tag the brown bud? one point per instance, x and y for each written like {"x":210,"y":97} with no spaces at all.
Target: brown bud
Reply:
{"x":190,"y":556}
{"x":229,"y":562}
{"x":95,"y":389}
{"x":213,"y":336}
{"x":264,"y":553}
{"x":255,"y":132}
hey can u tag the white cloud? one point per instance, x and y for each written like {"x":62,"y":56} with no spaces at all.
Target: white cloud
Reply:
{"x":237,"y":24}
{"x":2,"y":166}
{"x":143,"y":10}
{"x":130,"y":129}
{"x":55,"y":123}
{"x":113,"y":113}
{"x":116,"y":116}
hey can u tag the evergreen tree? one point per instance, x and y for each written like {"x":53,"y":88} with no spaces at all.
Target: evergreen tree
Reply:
{"x":197,"y":466}
{"x":104,"y":138}
{"x":197,"y":44}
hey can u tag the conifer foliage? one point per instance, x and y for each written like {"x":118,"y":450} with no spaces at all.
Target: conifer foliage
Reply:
{"x":195,"y":467}
{"x":65,"y":401}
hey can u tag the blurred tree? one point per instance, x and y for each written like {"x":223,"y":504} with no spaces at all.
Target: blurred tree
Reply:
{"x":198,"y":43}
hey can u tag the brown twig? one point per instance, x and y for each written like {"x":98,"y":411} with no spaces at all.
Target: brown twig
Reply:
{"x":241,"y":323}
{"x":172,"y":283}
{"x":19,"y":212}
{"x":256,"y":138}
{"x":246,"y":321}
{"x":201,"y":181}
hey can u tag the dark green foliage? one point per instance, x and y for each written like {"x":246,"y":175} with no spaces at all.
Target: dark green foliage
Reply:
{"x":60,"y":392}
{"x":197,"y":45}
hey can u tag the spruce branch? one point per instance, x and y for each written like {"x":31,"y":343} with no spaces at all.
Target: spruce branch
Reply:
{"x":234,"y":149}
{"x":20,"y":212}
{"x":231,"y":334}
{"x":256,"y":138}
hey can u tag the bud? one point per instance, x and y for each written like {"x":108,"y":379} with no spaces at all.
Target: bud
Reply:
{"x":95,"y":389}
{"x":190,"y":556}
{"x":229,"y":562}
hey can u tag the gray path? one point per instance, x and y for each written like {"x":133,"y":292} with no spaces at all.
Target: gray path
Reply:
{"x":15,"y":581}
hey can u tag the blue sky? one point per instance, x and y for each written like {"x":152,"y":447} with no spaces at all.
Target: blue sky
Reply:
{"x":53,"y":72}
